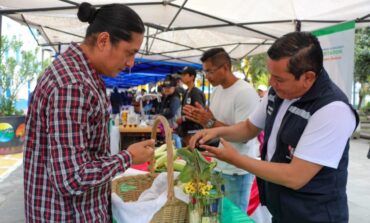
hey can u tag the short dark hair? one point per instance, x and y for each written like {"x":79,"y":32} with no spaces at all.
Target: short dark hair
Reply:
{"x":117,"y":19}
{"x":189,"y":70}
{"x":218,"y":56}
{"x":303,"y":49}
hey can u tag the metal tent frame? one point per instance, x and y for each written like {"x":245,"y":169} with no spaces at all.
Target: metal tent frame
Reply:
{"x":177,"y":12}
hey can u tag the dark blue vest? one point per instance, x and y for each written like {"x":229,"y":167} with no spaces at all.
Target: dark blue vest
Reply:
{"x":324,"y":198}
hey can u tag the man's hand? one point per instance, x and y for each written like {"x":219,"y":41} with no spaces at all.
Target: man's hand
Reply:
{"x":227,"y":153}
{"x":197,"y":114}
{"x":203,"y":136}
{"x":179,"y":120}
{"x":141,"y":152}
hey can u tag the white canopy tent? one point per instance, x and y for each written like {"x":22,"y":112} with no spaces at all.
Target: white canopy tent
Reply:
{"x":181,"y":30}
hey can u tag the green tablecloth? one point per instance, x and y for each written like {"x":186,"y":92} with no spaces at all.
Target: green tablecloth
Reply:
{"x":230,"y":214}
{"x":233,"y":214}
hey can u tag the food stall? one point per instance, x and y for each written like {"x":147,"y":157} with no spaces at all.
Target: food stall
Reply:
{"x":133,"y":133}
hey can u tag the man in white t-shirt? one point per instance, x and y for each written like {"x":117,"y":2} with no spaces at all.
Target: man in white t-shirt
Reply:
{"x":232,"y":101}
{"x":307,"y":121}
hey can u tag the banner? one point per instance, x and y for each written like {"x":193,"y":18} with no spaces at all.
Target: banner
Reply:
{"x":338,"y":45}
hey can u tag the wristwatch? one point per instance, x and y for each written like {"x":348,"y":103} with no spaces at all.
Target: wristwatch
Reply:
{"x":210,"y":123}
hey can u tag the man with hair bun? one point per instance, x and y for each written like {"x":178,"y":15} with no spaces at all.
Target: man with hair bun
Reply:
{"x":68,"y":167}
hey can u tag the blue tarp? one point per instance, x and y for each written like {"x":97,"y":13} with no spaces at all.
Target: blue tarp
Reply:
{"x":146,"y":71}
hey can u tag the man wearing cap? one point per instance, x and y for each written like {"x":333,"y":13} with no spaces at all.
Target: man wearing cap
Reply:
{"x":191,"y":96}
{"x":171,"y":106}
{"x":261,"y":90}
{"x":232,"y":101}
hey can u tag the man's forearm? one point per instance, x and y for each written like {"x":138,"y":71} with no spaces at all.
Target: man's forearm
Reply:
{"x":240,"y":132}
{"x":292,"y":175}
{"x":219,"y":124}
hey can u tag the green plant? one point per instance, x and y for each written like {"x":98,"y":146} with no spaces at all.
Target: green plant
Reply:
{"x":203,"y":185}
{"x":255,"y":69}
{"x":362,"y":62}
{"x":14,"y":73}
{"x":366,"y":109}
{"x":198,"y":175}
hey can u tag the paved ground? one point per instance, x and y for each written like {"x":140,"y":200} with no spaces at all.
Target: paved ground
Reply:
{"x":11,"y":188}
{"x":8,"y":163}
{"x":358,"y":187}
{"x":11,"y":198}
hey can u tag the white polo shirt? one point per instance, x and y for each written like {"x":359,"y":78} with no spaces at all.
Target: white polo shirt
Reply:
{"x":324,"y":138}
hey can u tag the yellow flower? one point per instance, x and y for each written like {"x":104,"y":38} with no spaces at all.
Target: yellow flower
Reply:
{"x":204,"y":192}
{"x":192,"y":191}
{"x":192,"y":183}
{"x":189,"y":188}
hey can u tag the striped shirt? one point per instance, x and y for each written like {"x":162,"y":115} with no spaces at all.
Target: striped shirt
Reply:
{"x":67,"y":163}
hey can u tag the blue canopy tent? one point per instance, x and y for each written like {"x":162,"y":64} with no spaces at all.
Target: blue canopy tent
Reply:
{"x":146,"y":71}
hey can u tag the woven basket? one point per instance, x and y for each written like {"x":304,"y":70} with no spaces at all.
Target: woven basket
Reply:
{"x":175,"y":210}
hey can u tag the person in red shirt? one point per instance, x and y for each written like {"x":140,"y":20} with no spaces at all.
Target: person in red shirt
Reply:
{"x":68,"y":167}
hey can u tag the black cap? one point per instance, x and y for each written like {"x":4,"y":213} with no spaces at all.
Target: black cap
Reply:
{"x":189,"y":70}
{"x":169,"y":83}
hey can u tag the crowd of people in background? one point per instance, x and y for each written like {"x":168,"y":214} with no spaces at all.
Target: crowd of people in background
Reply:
{"x":175,"y":95}
{"x":119,"y":99}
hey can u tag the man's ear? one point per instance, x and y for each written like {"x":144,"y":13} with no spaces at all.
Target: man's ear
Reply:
{"x":309,"y":78}
{"x":102,"y":40}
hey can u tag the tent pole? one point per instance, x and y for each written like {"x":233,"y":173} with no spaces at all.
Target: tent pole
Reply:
{"x":363,"y":18}
{"x":234,"y":48}
{"x":61,"y":31}
{"x":225,"y":21}
{"x":224,"y":25}
{"x":209,"y":93}
{"x":1,"y":23}
{"x":203,"y":82}
{"x":30,"y":29}
{"x":59,"y":48}
{"x":297,"y":25}
{"x":15,"y":11}
{"x":206,"y":47}
{"x":70,"y":2}
{"x":178,"y":12}
{"x":147,"y":41}
{"x":250,"y":51}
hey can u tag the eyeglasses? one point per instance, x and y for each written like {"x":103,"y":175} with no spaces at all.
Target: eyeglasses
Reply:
{"x":212,"y":71}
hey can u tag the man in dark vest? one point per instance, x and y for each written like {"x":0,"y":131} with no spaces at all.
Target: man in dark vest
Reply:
{"x":308,"y":121}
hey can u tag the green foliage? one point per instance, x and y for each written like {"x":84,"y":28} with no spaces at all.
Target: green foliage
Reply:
{"x":362,"y":55}
{"x":366,"y":108}
{"x":362,"y":62}
{"x":196,"y":166}
{"x":255,"y":69}
{"x":258,"y":69}
{"x":198,"y":174}
{"x":14,"y":74}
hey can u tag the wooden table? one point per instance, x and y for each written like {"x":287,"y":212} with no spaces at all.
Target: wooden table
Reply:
{"x":135,"y":129}
{"x":130,"y":135}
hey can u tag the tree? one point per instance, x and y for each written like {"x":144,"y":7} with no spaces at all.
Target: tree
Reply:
{"x":362,"y":62}
{"x":258,"y":69}
{"x":15,"y":74}
{"x":254,"y":69}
